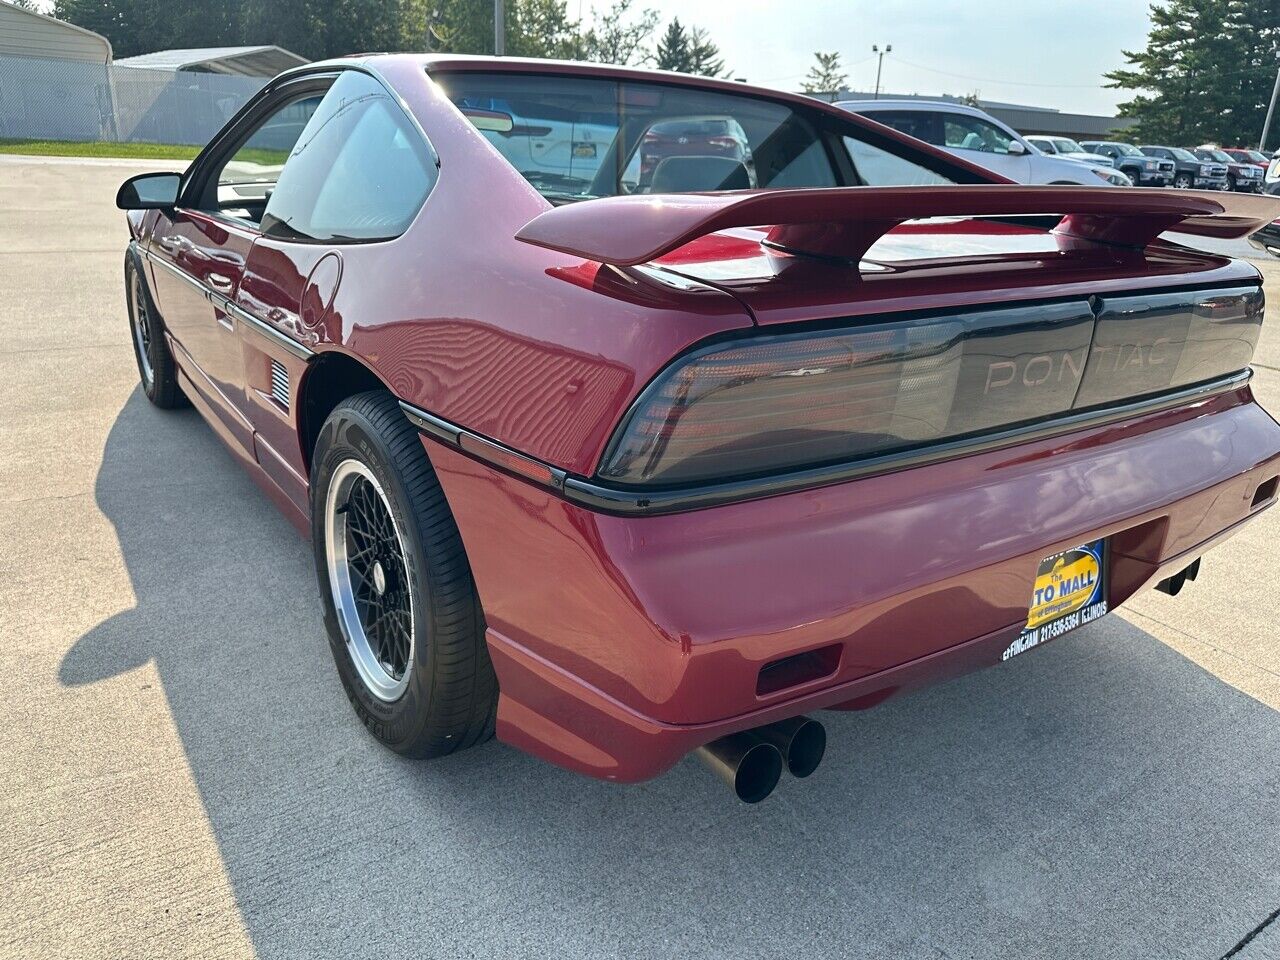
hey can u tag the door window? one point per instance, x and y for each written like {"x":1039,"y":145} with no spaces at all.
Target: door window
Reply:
{"x":973,"y":133}
{"x":359,"y":171}
{"x":248,"y":177}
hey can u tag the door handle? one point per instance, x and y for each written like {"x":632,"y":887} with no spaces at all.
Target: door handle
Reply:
{"x":220,"y":282}
{"x":171,"y":244}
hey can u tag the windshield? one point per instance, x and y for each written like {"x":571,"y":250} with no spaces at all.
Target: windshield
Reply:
{"x":1068,"y":146}
{"x":1128,"y":150}
{"x":1183,"y":155}
{"x":1210,"y":154}
{"x":575,"y":138}
{"x":1256,"y":156}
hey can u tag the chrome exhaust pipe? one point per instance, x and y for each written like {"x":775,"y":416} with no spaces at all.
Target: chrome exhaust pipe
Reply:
{"x":801,"y":741}
{"x":747,"y":764}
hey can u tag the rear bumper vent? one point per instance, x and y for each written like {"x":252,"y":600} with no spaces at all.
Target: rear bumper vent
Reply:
{"x":280,"y":384}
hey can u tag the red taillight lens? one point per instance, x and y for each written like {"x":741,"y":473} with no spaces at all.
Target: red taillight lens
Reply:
{"x":746,"y":409}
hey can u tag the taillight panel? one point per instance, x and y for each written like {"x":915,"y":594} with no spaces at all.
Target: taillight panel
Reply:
{"x":766,"y":405}
{"x":1148,"y":344}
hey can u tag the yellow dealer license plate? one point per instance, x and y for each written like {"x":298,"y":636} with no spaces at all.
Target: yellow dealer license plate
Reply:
{"x":1070,"y":591}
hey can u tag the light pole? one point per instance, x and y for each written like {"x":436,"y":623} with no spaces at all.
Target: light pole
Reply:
{"x":1271,"y":109}
{"x":499,"y":28}
{"x":888,"y":48}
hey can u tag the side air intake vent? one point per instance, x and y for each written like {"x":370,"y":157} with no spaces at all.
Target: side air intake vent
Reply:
{"x":280,"y":384}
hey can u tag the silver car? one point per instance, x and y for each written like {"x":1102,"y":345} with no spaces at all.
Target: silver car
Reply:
{"x":1066,"y":147}
{"x":982,"y":139}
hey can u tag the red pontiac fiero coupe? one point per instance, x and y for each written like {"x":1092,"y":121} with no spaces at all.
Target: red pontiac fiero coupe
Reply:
{"x":625,"y":467}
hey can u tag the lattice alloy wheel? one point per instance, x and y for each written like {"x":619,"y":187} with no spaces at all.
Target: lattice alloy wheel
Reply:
{"x":368,"y":575}
{"x":401,"y":609}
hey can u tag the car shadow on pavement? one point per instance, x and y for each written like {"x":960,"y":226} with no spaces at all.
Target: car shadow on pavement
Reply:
{"x":1100,"y":796}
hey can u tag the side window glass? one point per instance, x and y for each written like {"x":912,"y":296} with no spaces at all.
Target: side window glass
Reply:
{"x":971,"y":133}
{"x":880,"y":168}
{"x":359,"y":171}
{"x":248,"y":177}
{"x":914,"y":123}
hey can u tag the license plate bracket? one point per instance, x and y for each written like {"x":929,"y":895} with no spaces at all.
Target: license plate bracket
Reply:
{"x":1070,"y":590}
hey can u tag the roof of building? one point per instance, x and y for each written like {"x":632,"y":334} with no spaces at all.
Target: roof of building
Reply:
{"x":29,"y":33}
{"x":262,"y":61}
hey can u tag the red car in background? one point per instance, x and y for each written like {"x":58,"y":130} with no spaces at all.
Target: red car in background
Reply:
{"x":697,"y":137}
{"x":1244,"y":177}
{"x":622,"y":473}
{"x":1244,"y":155}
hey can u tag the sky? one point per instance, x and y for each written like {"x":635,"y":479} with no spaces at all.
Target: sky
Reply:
{"x":1049,"y":53}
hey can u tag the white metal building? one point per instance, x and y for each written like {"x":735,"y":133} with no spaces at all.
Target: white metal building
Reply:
{"x":26,"y":33}
{"x":262,"y":61}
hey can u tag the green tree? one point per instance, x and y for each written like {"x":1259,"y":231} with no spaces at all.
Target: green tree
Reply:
{"x":672,"y":52}
{"x":619,"y":36}
{"x":533,"y":28}
{"x":826,"y":75}
{"x":705,"y":55}
{"x":688,"y":51}
{"x":132,"y":26}
{"x":1205,"y":74}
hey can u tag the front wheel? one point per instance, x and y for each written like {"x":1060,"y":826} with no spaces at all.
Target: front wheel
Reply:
{"x":1229,"y":183}
{"x":1182,"y":182}
{"x":156,"y":368}
{"x":403,"y":617}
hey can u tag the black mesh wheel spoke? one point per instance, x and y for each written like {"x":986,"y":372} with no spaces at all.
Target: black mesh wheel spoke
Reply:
{"x":373,"y":547}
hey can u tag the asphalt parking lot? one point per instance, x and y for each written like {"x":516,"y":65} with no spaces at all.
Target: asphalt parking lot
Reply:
{"x":180,"y":774}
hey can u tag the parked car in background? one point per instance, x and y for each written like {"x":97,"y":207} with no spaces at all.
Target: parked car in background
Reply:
{"x":980,"y":138}
{"x":1189,"y":171}
{"x":696,"y":137}
{"x":633,"y":472}
{"x":1144,"y":171}
{"x":1068,"y":148}
{"x":1245,"y":155}
{"x":1241,"y":177}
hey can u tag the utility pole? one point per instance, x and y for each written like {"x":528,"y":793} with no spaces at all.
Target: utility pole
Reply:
{"x":1271,"y":109}
{"x":499,"y":28}
{"x":888,"y":48}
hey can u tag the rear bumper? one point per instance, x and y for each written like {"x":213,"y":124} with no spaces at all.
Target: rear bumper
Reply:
{"x":621,"y":643}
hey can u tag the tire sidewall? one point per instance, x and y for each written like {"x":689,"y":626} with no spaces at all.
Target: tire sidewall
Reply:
{"x":135,"y":282}
{"x":398,"y":722}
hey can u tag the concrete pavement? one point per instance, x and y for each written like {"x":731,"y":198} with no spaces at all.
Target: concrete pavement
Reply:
{"x":181,"y":776}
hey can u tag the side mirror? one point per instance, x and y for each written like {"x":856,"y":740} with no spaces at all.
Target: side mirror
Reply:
{"x":1016,"y":149}
{"x":149,"y":191}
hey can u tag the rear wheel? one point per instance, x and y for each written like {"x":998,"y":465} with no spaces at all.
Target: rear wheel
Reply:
{"x":1182,"y":182}
{"x":401,"y":609}
{"x":156,"y":369}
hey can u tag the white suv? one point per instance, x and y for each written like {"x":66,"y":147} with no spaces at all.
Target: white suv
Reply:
{"x":982,"y":139}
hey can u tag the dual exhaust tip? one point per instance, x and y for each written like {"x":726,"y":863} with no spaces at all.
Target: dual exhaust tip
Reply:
{"x":1173,"y":585}
{"x":751,"y":762}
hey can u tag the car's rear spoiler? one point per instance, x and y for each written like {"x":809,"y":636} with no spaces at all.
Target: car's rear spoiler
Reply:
{"x":844,"y":222}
